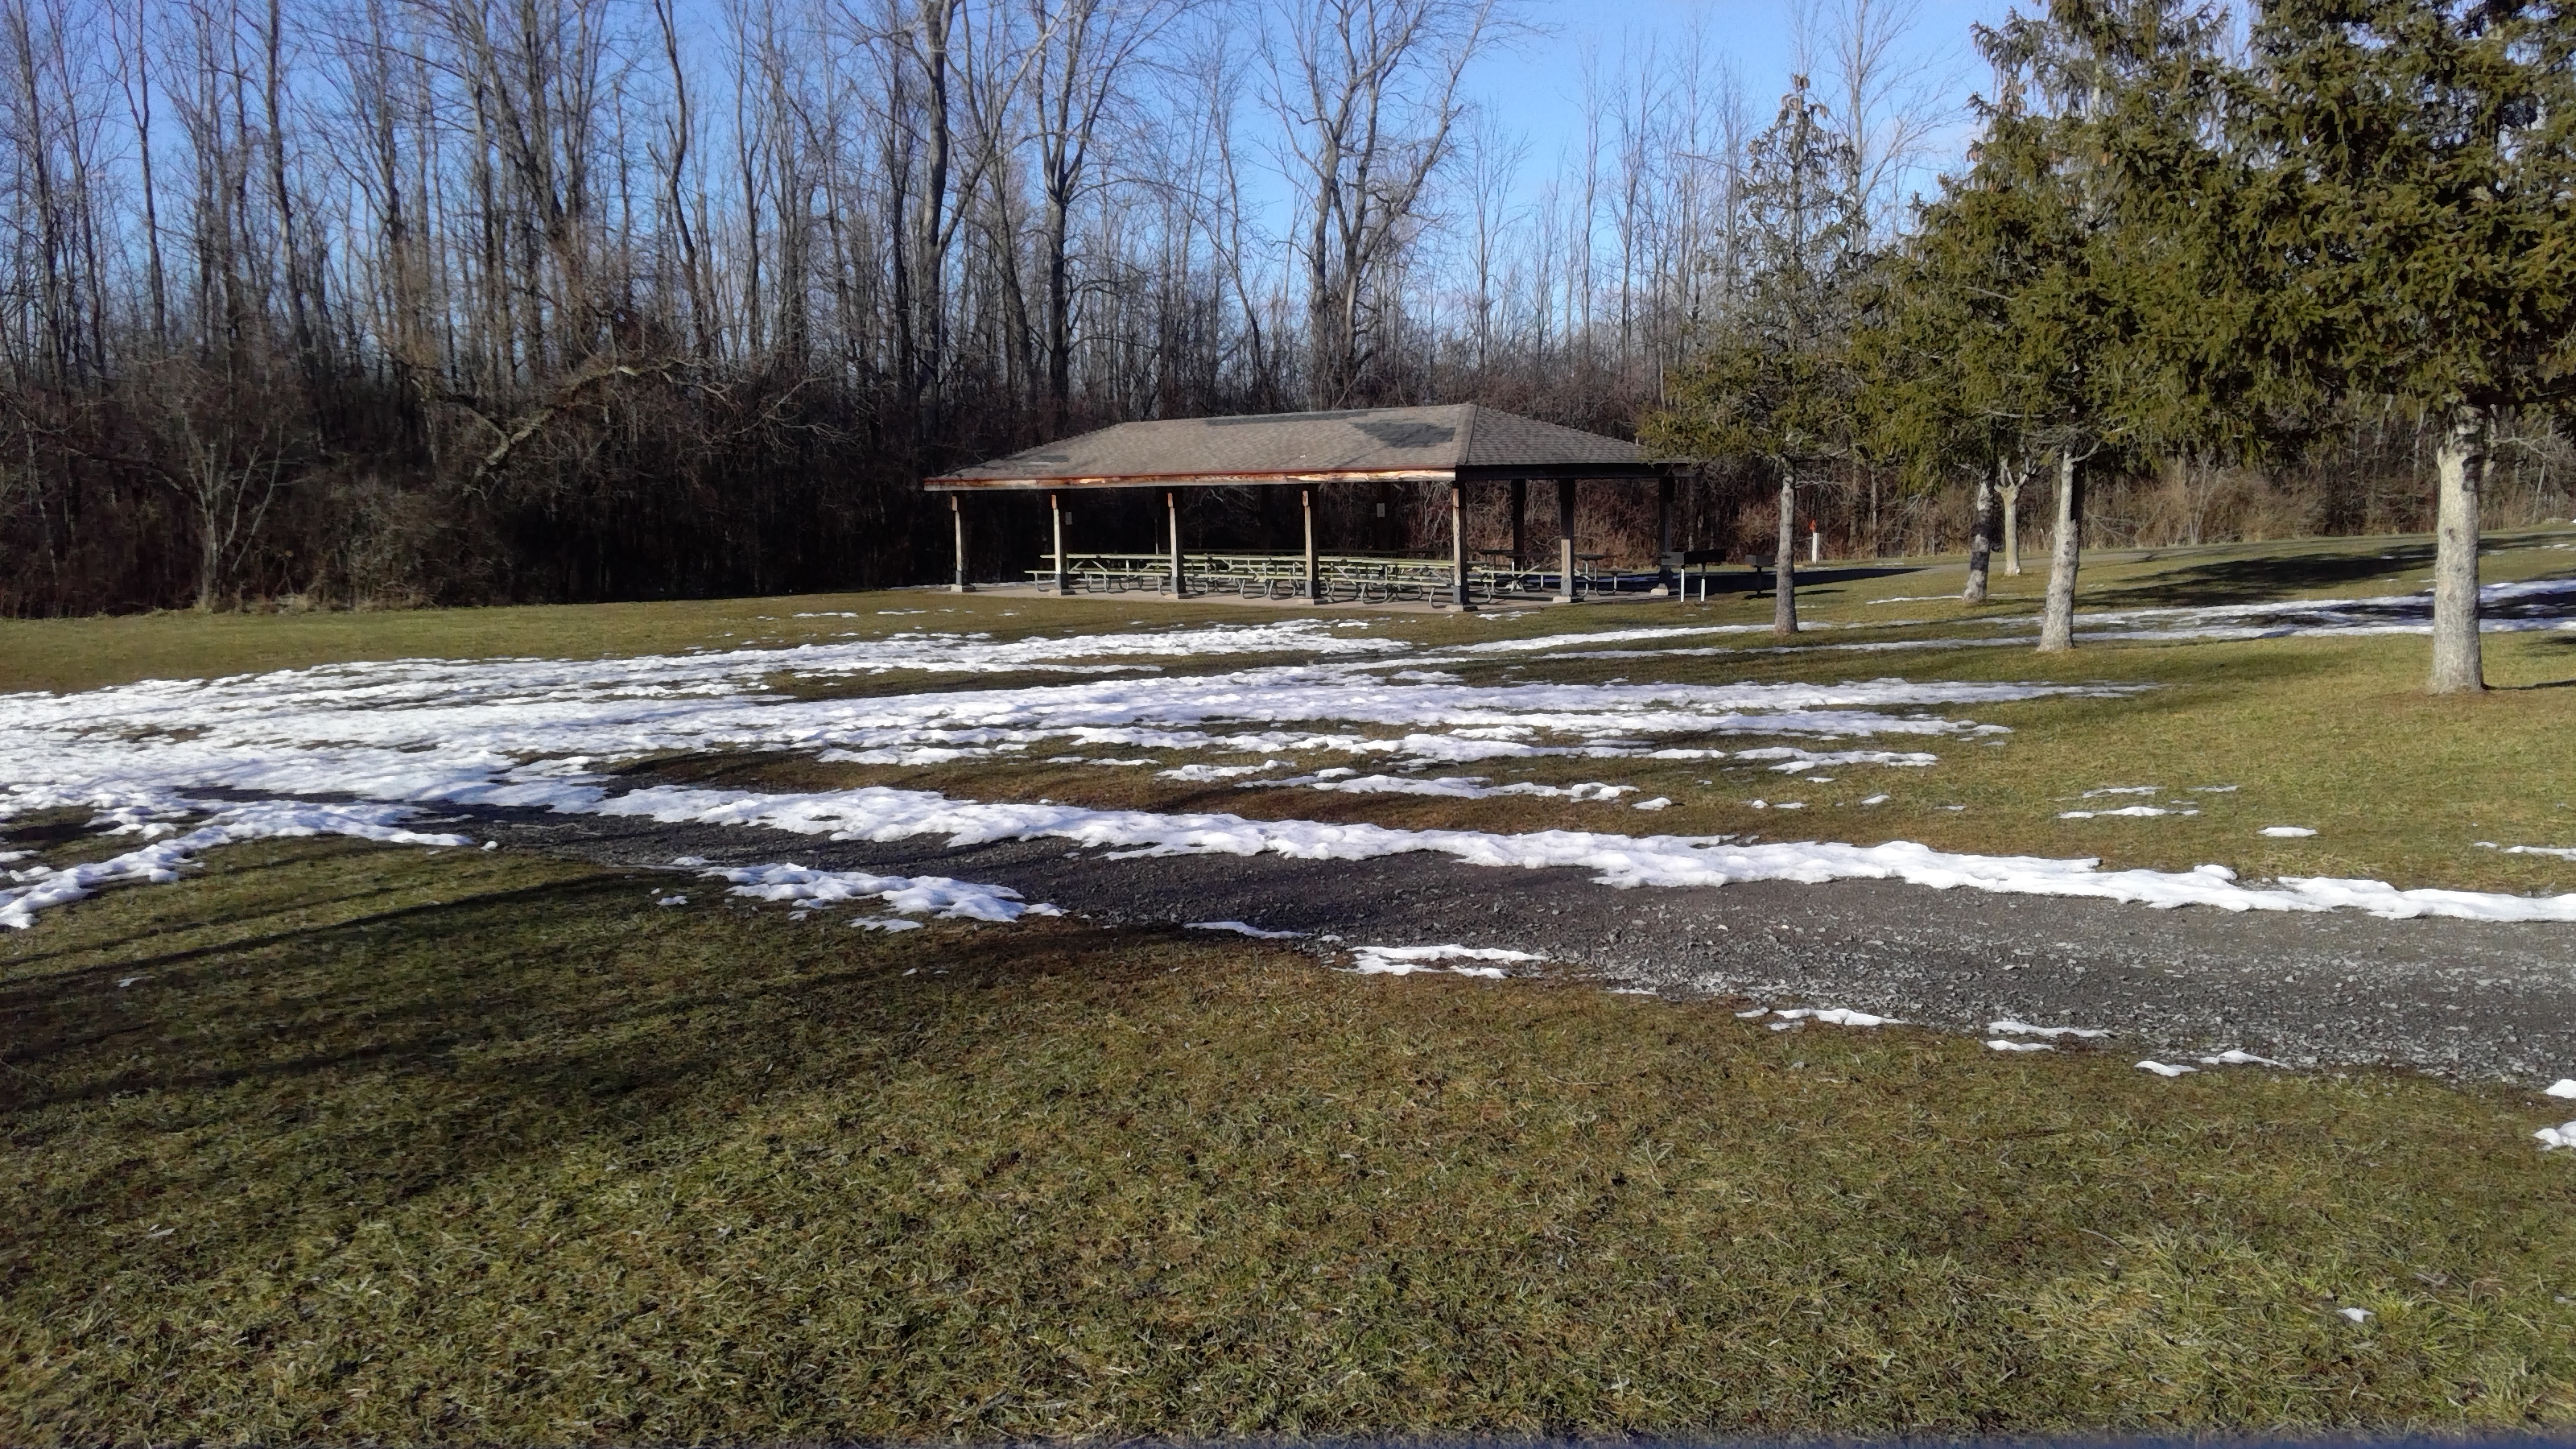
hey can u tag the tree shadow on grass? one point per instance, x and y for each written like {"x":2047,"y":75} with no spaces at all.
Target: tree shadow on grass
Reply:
{"x":2261,"y":579}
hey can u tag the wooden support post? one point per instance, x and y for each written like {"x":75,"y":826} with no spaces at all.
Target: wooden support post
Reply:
{"x":1172,"y":506}
{"x":1055,"y":508}
{"x":1520,"y":529}
{"x":957,"y":515}
{"x":1565,"y":540}
{"x":1314,"y":570}
{"x":1665,"y":577}
{"x":1458,"y":542}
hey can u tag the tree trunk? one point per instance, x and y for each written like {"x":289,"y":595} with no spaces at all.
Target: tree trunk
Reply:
{"x":1784,"y":559}
{"x":2461,"y":462}
{"x":2066,"y":551}
{"x":2010,"y":485}
{"x":1981,"y":534}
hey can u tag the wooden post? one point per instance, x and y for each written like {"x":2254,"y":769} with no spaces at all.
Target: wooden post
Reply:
{"x":1665,"y":577}
{"x":1520,"y":513}
{"x":1458,"y":542}
{"x":1565,"y":540}
{"x":1172,"y":505}
{"x":1314,"y":571}
{"x":1055,"y":507}
{"x":957,"y":515}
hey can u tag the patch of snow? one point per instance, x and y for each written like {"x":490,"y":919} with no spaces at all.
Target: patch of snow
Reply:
{"x":226,"y":824}
{"x":881,"y":814}
{"x":1405,"y":960}
{"x":954,"y":900}
{"x":2285,"y":832}
{"x":1459,"y":787}
{"x":2236,"y":1058}
{"x":1209,"y":774}
{"x":2138,"y":811}
{"x":2563,"y":1087}
{"x":2563,"y":1135}
{"x":2023,"y":1028}
{"x":889,"y":925}
{"x":2213,"y":789}
{"x":672,"y":901}
{"x":2357,"y":1315}
{"x":1877,"y":800}
{"x":1240,"y":929}
{"x":1658,"y":803}
{"x":2019,"y":1046}
{"x":1834,"y":1016}
{"x":1792,"y":760}
{"x":2161,"y":1069}
{"x":2563,"y":852}
{"x":2123,"y":790}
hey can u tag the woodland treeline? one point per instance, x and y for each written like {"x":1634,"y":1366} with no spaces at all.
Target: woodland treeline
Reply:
{"x":382,"y":302}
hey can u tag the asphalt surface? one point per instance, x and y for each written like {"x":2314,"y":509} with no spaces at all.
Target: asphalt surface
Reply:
{"x":2455,"y":997}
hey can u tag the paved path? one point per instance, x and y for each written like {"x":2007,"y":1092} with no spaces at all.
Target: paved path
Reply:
{"x":2451,"y":996}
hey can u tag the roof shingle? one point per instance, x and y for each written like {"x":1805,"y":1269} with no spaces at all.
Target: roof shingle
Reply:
{"x":1431,"y":444}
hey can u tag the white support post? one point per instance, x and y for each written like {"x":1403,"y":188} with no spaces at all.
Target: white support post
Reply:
{"x":1314,"y":570}
{"x":1565,"y":540}
{"x":957,"y":515}
{"x":1666,"y":576}
{"x":1458,"y":543}
{"x":1055,"y":507}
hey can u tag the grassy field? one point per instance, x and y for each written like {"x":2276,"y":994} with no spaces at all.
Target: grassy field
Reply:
{"x":356,"y":1145}
{"x":341,"y":1144}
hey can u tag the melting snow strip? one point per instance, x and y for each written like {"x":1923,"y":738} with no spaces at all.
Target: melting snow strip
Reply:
{"x":1240,"y":929}
{"x":954,"y":900}
{"x":1405,"y":960}
{"x":163,"y":860}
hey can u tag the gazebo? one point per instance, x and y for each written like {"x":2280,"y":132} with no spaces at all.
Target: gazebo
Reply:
{"x":1458,"y":444}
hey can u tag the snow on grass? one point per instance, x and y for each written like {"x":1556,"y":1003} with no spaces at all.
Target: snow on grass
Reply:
{"x":1240,"y":929}
{"x":1827,"y":1016}
{"x":2234,"y":1057}
{"x":2010,"y":1027}
{"x":2135,"y":811}
{"x":2563,"y":1087}
{"x":403,"y":728}
{"x":2001,"y":1045}
{"x":1405,"y":960}
{"x":2285,"y":832}
{"x":1455,"y":787}
{"x":1791,"y":760}
{"x":2561,"y":851}
{"x":1210,"y":774}
{"x":954,"y":900}
{"x":2164,"y":1069}
{"x":2122,"y":790}
{"x":2563,"y":1135}
{"x":163,"y":860}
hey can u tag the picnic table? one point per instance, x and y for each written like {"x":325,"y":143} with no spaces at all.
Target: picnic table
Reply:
{"x":1344,"y":578}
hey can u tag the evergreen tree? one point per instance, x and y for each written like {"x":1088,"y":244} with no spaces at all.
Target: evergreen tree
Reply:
{"x":2091,"y":218}
{"x":1777,"y":380}
{"x":2412,"y":234}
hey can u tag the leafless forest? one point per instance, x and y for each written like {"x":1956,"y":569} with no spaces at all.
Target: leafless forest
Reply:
{"x":382,"y":302}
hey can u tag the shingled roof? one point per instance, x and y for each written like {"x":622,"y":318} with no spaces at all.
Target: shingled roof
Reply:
{"x":1459,"y":442}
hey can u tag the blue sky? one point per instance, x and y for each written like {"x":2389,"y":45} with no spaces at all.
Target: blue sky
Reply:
{"x":1535,"y":85}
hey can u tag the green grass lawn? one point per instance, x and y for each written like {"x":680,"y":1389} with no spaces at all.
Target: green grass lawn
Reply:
{"x":358,"y":1145}
{"x":332,"y":1143}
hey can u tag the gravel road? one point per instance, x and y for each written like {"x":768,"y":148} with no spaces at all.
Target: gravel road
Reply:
{"x":2454,"y":997}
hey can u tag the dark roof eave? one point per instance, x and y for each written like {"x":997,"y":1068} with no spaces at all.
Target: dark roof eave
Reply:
{"x":1481,"y":473}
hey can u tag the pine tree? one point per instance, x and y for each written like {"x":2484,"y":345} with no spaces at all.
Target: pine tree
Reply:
{"x":1777,"y":381}
{"x":2412,"y":236}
